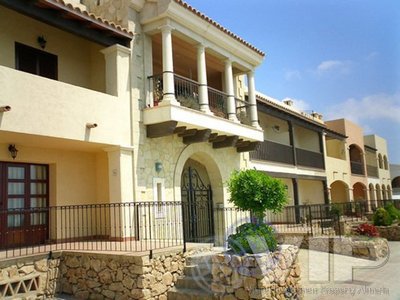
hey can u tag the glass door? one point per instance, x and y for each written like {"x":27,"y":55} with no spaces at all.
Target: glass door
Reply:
{"x":23,"y":204}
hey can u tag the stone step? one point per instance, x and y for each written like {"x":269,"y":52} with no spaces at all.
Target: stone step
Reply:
{"x":197,"y":270}
{"x":190,"y":294}
{"x":194,"y":282}
{"x":204,"y":258}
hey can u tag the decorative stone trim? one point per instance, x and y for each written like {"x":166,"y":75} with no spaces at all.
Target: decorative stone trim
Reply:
{"x":273,"y":275}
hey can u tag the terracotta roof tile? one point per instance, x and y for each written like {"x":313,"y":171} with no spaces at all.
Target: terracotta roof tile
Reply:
{"x":76,"y":10}
{"x":219,"y":26}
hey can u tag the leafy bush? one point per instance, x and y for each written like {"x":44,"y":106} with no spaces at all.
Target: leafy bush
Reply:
{"x":336,"y":210}
{"x":253,"y":238}
{"x":382,"y":217}
{"x":393,"y":211}
{"x":257,"y":192}
{"x":367,"y":230}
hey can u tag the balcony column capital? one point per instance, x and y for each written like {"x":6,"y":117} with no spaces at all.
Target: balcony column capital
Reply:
{"x":168,"y":66}
{"x":229,"y":89}
{"x":252,"y":99}
{"x":202,"y":78}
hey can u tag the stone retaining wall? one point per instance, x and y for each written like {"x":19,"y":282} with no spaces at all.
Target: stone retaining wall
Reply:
{"x":260,"y":276}
{"x":355,"y":246}
{"x":391,"y":233}
{"x":107,"y":276}
{"x":32,"y":277}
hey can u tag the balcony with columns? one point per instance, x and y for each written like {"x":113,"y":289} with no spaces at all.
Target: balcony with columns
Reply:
{"x":196,"y":92}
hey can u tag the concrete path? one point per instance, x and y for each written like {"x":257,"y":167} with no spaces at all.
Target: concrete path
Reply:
{"x":327,"y":277}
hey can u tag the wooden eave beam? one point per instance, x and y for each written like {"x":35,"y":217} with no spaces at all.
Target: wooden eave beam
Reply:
{"x":198,"y":137}
{"x":161,"y":129}
{"x":229,"y":141}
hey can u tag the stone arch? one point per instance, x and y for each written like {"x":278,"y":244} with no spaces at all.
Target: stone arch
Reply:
{"x":214,"y":161}
{"x":339,"y":192}
{"x":396,"y":182}
{"x":378,"y":192}
{"x":384,"y":195}
{"x":389,"y":191}
{"x":359,"y":192}
{"x":371,"y":192}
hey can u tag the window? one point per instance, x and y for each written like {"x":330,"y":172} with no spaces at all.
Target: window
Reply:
{"x":159,"y":197}
{"x":35,"y":61}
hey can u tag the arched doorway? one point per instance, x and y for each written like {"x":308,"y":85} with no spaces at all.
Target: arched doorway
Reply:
{"x":339,"y":192}
{"x":197,"y":203}
{"x":359,"y":192}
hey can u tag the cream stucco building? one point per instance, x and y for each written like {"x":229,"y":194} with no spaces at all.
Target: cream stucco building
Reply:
{"x":143,"y":101}
{"x":118,"y":102}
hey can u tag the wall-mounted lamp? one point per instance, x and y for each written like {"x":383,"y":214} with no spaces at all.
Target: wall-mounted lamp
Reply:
{"x":41,"y":41}
{"x":91,"y":125}
{"x":13,"y":151}
{"x":276,"y":128}
{"x":158,"y":166}
{"x":5,"y":108}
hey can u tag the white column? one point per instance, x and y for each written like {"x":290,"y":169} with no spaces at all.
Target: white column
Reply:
{"x":202,"y":79}
{"x":117,"y":70}
{"x":168,"y":67}
{"x":231,"y":104}
{"x":252,"y":100}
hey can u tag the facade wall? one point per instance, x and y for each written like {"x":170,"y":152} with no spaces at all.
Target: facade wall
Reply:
{"x":79,"y":61}
{"x":311,"y":192}
{"x":268,"y":123}
{"x":76,"y":177}
{"x":355,"y":137}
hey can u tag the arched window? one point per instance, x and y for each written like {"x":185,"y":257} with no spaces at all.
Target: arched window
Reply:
{"x":385,"y":162}
{"x":380,"y":161}
{"x":356,"y":160}
{"x":384,"y":195}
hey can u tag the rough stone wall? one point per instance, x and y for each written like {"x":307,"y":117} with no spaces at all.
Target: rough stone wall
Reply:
{"x":112,"y":10}
{"x":391,"y":233}
{"x":38,"y":277}
{"x":356,"y":246}
{"x":106,"y":276}
{"x":263,"y":276}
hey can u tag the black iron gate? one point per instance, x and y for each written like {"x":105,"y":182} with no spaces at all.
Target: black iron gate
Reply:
{"x":197,"y":208}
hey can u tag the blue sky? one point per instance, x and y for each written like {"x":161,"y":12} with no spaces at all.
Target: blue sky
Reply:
{"x":338,"y":57}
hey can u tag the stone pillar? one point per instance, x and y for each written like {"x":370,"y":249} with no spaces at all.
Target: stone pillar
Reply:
{"x":117,"y":70}
{"x":202,"y":79}
{"x":168,"y":67}
{"x":231,"y":104}
{"x":252,"y":100}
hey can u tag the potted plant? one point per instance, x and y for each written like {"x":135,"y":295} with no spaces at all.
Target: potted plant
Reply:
{"x":254,"y":191}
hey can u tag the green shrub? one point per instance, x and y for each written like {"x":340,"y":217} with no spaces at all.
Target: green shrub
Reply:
{"x":253,"y":238}
{"x":382,"y":217}
{"x":336,"y":210}
{"x":257,"y":192}
{"x":393,"y":211}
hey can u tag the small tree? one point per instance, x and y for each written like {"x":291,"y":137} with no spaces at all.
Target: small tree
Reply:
{"x":257,"y":192}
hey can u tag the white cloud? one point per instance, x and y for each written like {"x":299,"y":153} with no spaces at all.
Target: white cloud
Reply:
{"x":334,"y":66}
{"x":374,"y":107}
{"x":292,"y":74}
{"x":371,"y":56}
